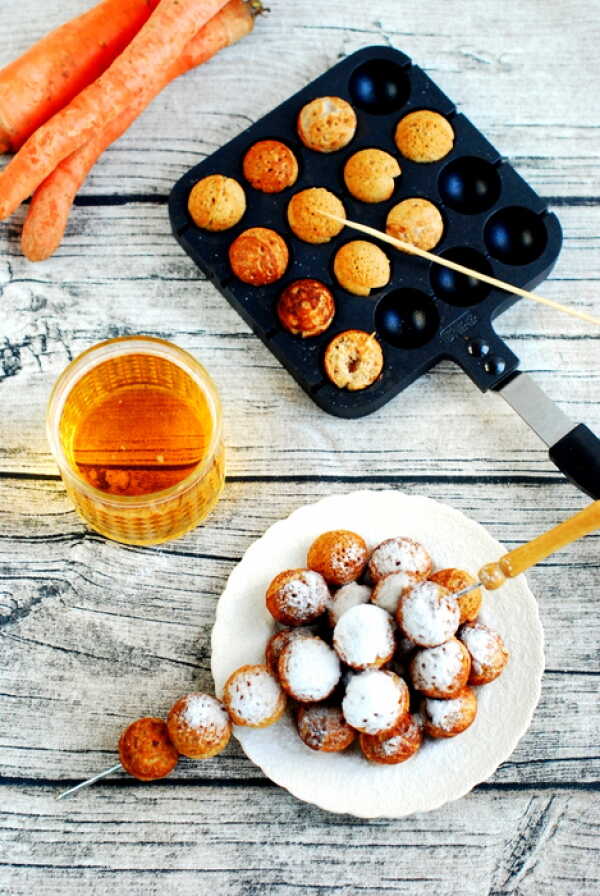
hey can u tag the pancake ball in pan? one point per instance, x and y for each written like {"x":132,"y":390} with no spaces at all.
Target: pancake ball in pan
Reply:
{"x":259,"y":256}
{"x":216,"y":202}
{"x":306,"y":308}
{"x":326,"y":124}
{"x":270,"y":166}
{"x":369,"y":175}
{"x":424,"y":136}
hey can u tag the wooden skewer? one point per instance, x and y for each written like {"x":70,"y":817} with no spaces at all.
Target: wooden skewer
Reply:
{"x":493,"y":575}
{"x":460,"y":268}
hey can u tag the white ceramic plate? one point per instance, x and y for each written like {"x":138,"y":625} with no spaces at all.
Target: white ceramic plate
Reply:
{"x":442,"y":770}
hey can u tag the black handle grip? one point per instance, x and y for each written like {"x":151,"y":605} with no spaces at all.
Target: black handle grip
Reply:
{"x":577,"y":455}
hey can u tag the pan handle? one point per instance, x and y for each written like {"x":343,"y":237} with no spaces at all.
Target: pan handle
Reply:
{"x":572,"y":446}
{"x":577,"y":455}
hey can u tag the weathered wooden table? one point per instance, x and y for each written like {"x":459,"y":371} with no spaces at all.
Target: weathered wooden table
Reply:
{"x":94,"y":634}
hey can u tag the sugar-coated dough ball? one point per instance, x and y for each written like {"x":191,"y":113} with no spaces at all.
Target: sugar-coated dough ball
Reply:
{"x":253,"y":697}
{"x":424,"y":136}
{"x":216,"y":202}
{"x":326,"y":124}
{"x":375,"y":701}
{"x":305,"y":218}
{"x":270,"y":166}
{"x":441,"y":671}
{"x":400,"y":745}
{"x":277,"y":642}
{"x":306,"y":308}
{"x":364,"y":637}
{"x":353,"y":360}
{"x":297,"y":596}
{"x":324,"y":728}
{"x":259,"y":256}
{"x":428,"y":614}
{"x":488,"y":654}
{"x":199,"y":726}
{"x":146,"y":750}
{"x":369,"y":175}
{"x":360,"y":266}
{"x":457,"y":580}
{"x":348,"y":596}
{"x":309,"y":669}
{"x":416,"y":221}
{"x":389,"y":589}
{"x":447,"y":718}
{"x":340,"y":556}
{"x":399,"y":554}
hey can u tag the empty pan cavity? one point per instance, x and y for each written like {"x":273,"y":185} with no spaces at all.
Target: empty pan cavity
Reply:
{"x":379,"y":86}
{"x":515,"y":235}
{"x":458,"y":289}
{"x":470,"y":185}
{"x":407,"y":318}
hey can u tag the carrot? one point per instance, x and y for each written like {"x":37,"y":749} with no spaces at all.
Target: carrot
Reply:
{"x":49,"y":209}
{"x":53,"y":71}
{"x":143,"y":63}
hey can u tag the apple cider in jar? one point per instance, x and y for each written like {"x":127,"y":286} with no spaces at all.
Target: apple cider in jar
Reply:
{"x":135,"y":427}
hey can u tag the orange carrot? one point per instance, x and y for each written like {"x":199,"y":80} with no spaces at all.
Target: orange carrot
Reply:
{"x":47,"y":77}
{"x":156,"y":47}
{"x":49,"y":209}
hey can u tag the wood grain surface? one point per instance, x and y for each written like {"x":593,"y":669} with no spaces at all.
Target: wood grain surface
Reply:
{"x":93,"y":634}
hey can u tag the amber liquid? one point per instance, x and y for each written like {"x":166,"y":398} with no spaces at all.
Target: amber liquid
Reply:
{"x":134,"y":426}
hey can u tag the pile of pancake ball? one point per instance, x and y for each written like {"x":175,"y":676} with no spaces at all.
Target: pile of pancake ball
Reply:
{"x":259,"y":256}
{"x":374,"y":645}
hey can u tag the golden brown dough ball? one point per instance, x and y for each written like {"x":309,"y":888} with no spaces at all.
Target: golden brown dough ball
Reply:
{"x":424,"y":136}
{"x":369,"y":175}
{"x":456,"y":580}
{"x":253,"y":697}
{"x":326,"y":124}
{"x":259,"y":256}
{"x":340,"y":556}
{"x":199,"y":726}
{"x":306,"y":308}
{"x":416,"y":221}
{"x":216,"y":202}
{"x":441,"y":671}
{"x":297,"y":596}
{"x":488,"y":654}
{"x":324,"y":728}
{"x":353,"y":360}
{"x":304,"y":216}
{"x":404,"y":741}
{"x":360,"y":266}
{"x":277,"y":642}
{"x":146,"y":751}
{"x":447,"y":718}
{"x":270,"y":166}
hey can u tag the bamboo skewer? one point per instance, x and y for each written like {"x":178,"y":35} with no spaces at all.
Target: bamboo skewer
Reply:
{"x":460,"y":268}
{"x":109,"y":771}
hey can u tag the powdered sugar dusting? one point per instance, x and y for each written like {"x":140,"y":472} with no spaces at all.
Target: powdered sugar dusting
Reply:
{"x":390,"y":746}
{"x":374,"y":701}
{"x":350,"y":595}
{"x":399,"y":554}
{"x":444,"y":714}
{"x":364,"y":636}
{"x":439,"y":668}
{"x":254,"y":695}
{"x":485,"y":646}
{"x":310,"y":668}
{"x":390,"y":589}
{"x":202,"y":712}
{"x":428,"y":614}
{"x":305,"y":593}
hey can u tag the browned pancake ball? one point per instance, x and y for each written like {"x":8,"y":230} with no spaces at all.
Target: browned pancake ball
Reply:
{"x":441,"y":671}
{"x":399,"y":554}
{"x":400,"y":745}
{"x":369,"y":175}
{"x":326,"y":124}
{"x":424,"y":136}
{"x":146,"y":751}
{"x":447,"y":718}
{"x":456,"y":580}
{"x":199,"y":726}
{"x":216,"y":202}
{"x":304,"y":216}
{"x":353,"y":360}
{"x":416,"y":221}
{"x":253,"y":697}
{"x":277,"y":643}
{"x":297,"y":596}
{"x":258,"y":256}
{"x":324,"y":728}
{"x":306,"y":308}
{"x":360,"y":266}
{"x":270,"y":166}
{"x":340,"y":556}
{"x":488,"y":654}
